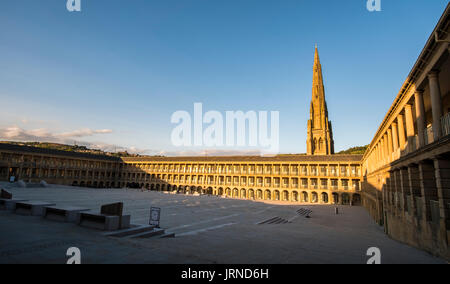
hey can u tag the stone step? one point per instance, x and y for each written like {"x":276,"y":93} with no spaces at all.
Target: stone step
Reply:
{"x":154,"y":232}
{"x":135,"y":229}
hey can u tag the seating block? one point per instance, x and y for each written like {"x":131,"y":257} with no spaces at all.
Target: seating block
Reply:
{"x":64,"y":214}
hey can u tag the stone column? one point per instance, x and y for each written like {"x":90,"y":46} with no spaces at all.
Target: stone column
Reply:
{"x":420,"y":116}
{"x":395,"y":136}
{"x":409,"y":126}
{"x":436,"y":103}
{"x":389,"y":140}
{"x":401,"y":131}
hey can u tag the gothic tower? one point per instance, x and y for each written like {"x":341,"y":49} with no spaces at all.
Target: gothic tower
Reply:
{"x":320,"y":133}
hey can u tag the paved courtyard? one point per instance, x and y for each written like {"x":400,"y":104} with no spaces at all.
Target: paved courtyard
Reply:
{"x":208,"y":229}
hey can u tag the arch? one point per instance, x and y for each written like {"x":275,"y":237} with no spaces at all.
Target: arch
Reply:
{"x":157,"y":187}
{"x":228,"y":192}
{"x":220,"y":192}
{"x":209,"y":190}
{"x":251,"y":194}
{"x":267,"y":195}
{"x":200,"y":190}
{"x":163,"y":187}
{"x":285,"y":196}
{"x":152,"y":187}
{"x":324,"y":197}
{"x":305,"y":197}
{"x":259,"y":194}
{"x":243,"y":193}
{"x":175,"y":188}
{"x":314,"y":197}
{"x":345,"y":199}
{"x":95,"y":184}
{"x":82,"y":184}
{"x":75,"y":183}
{"x":295,"y":196}
{"x":169,"y":187}
{"x":147,"y":186}
{"x":235,"y":193}
{"x":335,"y":198}
{"x":356,"y":199}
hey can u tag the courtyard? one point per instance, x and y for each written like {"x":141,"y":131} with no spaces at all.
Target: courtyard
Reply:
{"x":208,"y":229}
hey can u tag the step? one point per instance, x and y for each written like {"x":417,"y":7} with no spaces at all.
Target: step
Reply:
{"x":149,"y":234}
{"x":135,"y":229}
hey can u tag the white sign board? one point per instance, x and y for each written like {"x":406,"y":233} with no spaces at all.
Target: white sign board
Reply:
{"x":155,"y":215}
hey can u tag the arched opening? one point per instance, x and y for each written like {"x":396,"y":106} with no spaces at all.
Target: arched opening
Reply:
{"x":356,"y":200}
{"x":147,"y":186}
{"x":314,"y":197}
{"x":324,"y":197}
{"x":75,"y":183}
{"x":220,"y":192}
{"x":259,"y":194}
{"x":243,"y":194}
{"x":82,"y":184}
{"x":200,"y":190}
{"x":175,"y":188}
{"x":169,"y":187}
{"x":285,"y":195}
{"x":152,"y":187}
{"x":335,"y":199}
{"x":209,"y":191}
{"x":229,"y":192}
{"x":251,"y":194}
{"x":235,"y":193}
{"x":157,"y":188}
{"x":163,"y":187}
{"x":305,"y":197}
{"x":295,"y":196}
{"x":345,"y":199}
{"x":268,"y":195}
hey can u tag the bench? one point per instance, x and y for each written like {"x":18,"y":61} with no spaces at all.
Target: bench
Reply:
{"x":33,"y":208}
{"x":110,"y":218}
{"x":5,"y":195}
{"x":63,"y":214}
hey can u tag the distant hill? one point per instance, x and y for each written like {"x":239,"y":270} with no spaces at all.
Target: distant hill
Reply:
{"x":70,"y":148}
{"x":360,"y":150}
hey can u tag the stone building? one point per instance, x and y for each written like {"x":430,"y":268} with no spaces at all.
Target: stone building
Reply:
{"x":406,"y":169}
{"x":403,"y":179}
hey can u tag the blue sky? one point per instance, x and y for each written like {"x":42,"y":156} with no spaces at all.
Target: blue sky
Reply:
{"x":114,"y":73}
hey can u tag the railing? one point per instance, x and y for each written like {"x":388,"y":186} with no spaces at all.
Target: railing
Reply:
{"x":445,"y":124}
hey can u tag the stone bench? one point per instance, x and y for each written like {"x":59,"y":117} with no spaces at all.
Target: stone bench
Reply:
{"x":63,"y":214}
{"x":33,"y":208}
{"x":9,"y":204}
{"x":110,"y":218}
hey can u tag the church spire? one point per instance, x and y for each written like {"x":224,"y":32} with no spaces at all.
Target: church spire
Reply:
{"x":320,"y":135}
